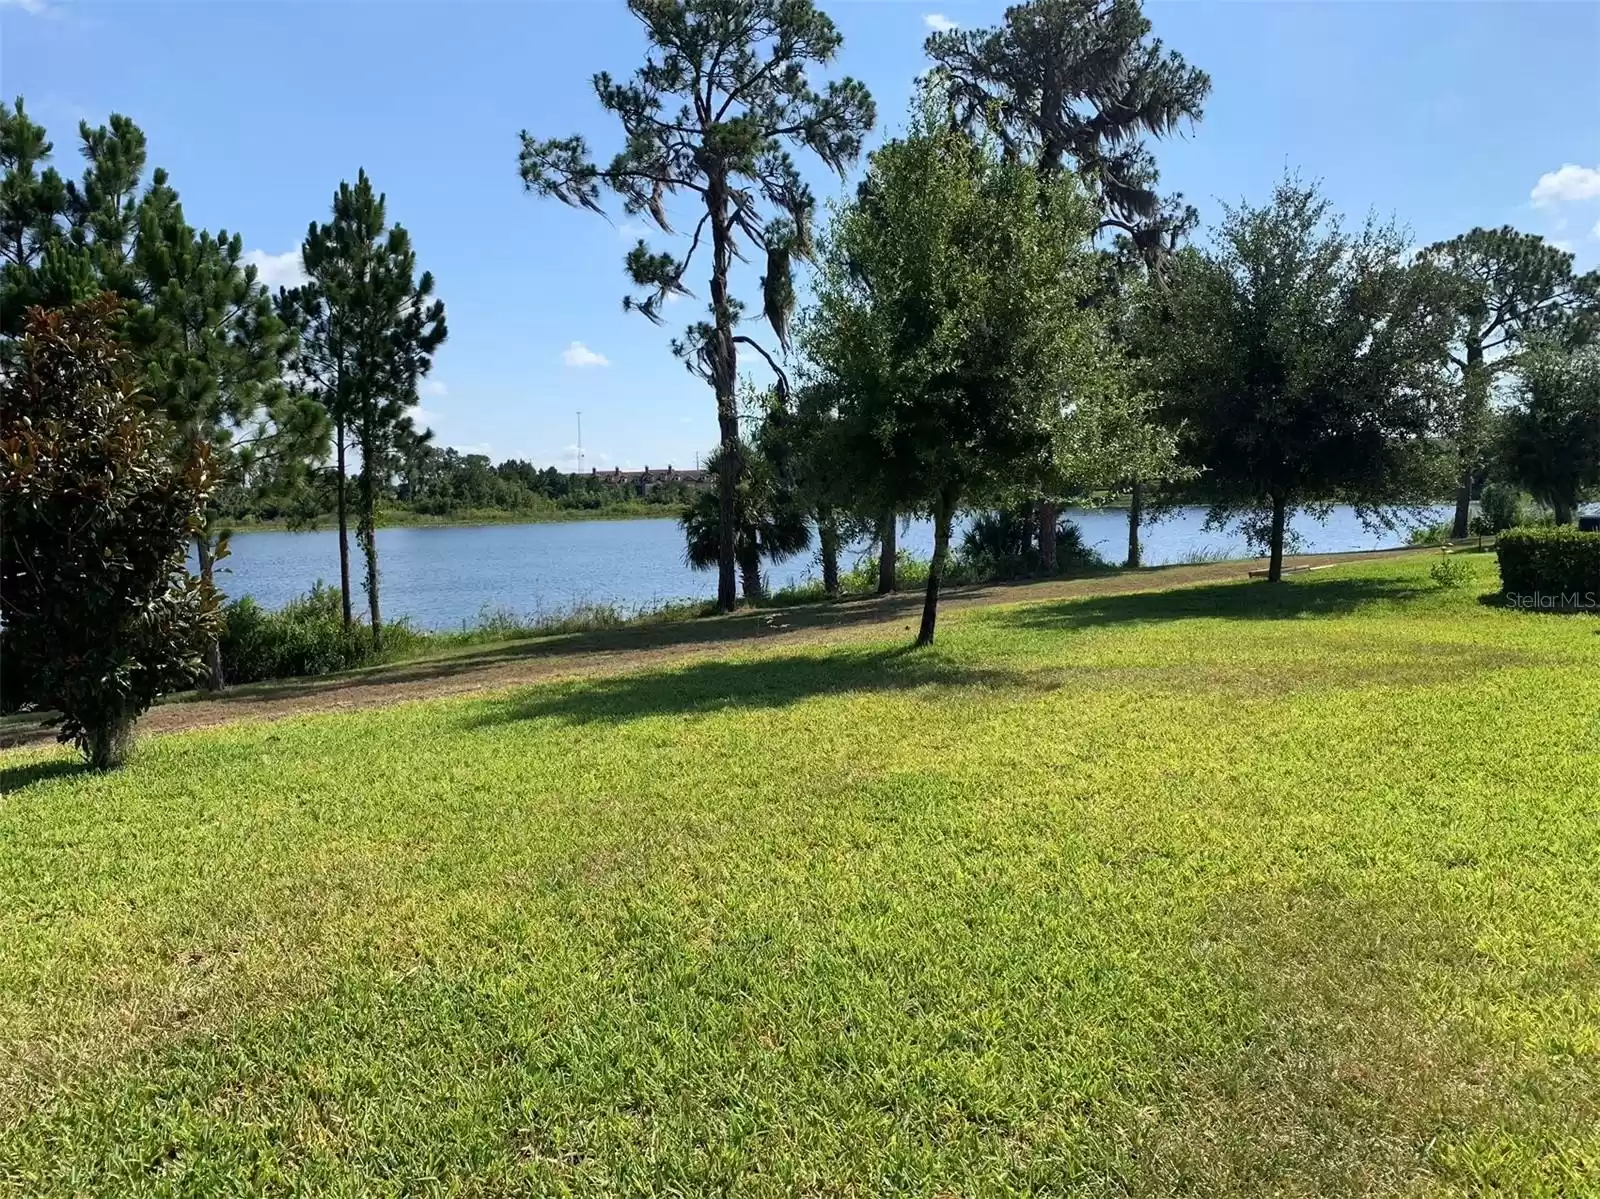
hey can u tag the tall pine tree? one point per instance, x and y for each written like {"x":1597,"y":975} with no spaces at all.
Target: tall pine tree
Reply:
{"x":214,"y":350}
{"x":723,"y":91}
{"x":369,"y":327}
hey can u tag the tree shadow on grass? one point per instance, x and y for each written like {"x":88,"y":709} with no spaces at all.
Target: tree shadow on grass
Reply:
{"x":1224,"y":601}
{"x":767,"y":682}
{"x":15,"y":778}
{"x":745,"y":626}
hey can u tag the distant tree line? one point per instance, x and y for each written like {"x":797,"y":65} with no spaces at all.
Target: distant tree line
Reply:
{"x":424,"y":479}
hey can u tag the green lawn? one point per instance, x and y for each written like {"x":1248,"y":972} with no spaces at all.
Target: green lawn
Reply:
{"x":1218,"y":891}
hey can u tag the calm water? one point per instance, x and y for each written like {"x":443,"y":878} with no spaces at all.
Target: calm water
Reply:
{"x":444,"y":577}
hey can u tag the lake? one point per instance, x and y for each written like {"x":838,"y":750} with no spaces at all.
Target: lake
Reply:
{"x":444,"y":577}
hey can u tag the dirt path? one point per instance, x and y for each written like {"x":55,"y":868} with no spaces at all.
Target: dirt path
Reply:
{"x":618,"y":651}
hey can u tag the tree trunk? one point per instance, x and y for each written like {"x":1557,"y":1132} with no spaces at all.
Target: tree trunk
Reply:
{"x":109,"y":741}
{"x":368,"y":525}
{"x":1280,"y":513}
{"x":723,"y":361}
{"x":1463,"y":518}
{"x":887,"y":554}
{"x":1474,"y":416}
{"x":1135,"y":515}
{"x":1048,"y":511}
{"x":750,"y":573}
{"x":828,"y":535}
{"x":202,"y":546}
{"x":344,"y":525}
{"x":942,"y":511}
{"x":1563,"y":509}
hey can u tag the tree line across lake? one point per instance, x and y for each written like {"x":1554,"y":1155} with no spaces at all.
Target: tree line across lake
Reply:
{"x":444,"y":483}
{"x":1008,"y":315}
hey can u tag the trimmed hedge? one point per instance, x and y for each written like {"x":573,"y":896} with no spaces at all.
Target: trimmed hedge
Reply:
{"x":1553,"y":562}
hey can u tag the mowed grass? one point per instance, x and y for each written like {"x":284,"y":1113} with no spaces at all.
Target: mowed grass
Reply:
{"x":1218,"y":891}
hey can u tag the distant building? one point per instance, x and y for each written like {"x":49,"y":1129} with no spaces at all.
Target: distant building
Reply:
{"x":1589,"y":518}
{"x":645,"y":481}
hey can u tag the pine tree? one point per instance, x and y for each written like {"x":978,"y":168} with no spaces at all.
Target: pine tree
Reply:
{"x":1076,"y":82}
{"x":369,"y":327}
{"x":214,"y":349}
{"x":723,"y":90}
{"x":33,"y":212}
{"x":38,"y":263}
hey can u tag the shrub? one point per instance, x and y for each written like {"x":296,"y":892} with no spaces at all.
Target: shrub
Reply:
{"x":909,"y":574}
{"x":1432,"y":534}
{"x":1451,"y":572}
{"x":101,"y":616}
{"x":1558,"y":563}
{"x":1502,"y":507}
{"x":306,"y":636}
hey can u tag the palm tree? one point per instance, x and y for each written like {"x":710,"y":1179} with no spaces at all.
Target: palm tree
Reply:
{"x":769,"y":521}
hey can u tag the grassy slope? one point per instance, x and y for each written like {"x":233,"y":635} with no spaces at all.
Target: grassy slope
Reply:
{"x":1213,"y":891}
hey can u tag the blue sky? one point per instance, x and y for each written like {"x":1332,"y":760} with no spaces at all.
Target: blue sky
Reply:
{"x":1446,"y":115}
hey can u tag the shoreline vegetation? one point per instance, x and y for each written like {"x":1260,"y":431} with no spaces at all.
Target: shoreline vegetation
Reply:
{"x":307,"y":637}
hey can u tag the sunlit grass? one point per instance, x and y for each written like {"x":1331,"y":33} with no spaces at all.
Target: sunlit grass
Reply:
{"x":1216,"y":891}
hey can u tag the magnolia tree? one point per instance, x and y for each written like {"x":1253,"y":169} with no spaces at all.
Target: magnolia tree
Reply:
{"x":100,"y":615}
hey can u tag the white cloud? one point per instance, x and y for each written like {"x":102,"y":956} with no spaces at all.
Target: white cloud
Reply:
{"x":1562,"y":244}
{"x":938,"y":22}
{"x":485,"y":448}
{"x":434,"y":388}
{"x":1571,"y":183}
{"x":632,"y":230}
{"x":580,"y":355}
{"x":1596,"y":231}
{"x":424,"y":418}
{"x":276,"y":270}
{"x":35,"y":7}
